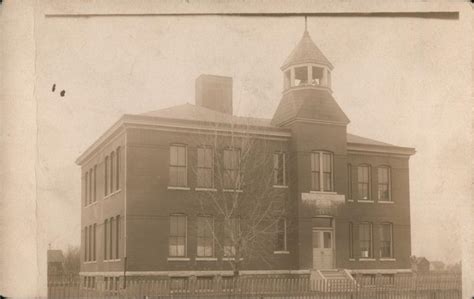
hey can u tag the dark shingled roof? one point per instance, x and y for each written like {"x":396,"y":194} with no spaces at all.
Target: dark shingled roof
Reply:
{"x":198,"y":113}
{"x":306,"y":51}
{"x":309,"y":104}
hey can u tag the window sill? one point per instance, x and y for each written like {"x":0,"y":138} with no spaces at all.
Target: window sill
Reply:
{"x":385,"y":202}
{"x":365,"y":201}
{"x":350,"y":200}
{"x":206,"y":259}
{"x":280,"y":186}
{"x":352,"y":260}
{"x":231,"y":258}
{"x":91,"y":204}
{"x":90,"y":262}
{"x":232,"y":190}
{"x":206,"y":189}
{"x":367,"y":260}
{"x":178,"y":259}
{"x":112,"y":194}
{"x":322,"y":192}
{"x":281,"y":252}
{"x":112,"y":261}
{"x":387,"y":259}
{"x":179,"y":188}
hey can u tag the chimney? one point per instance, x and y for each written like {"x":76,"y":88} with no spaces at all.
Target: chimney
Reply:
{"x":214,"y":92}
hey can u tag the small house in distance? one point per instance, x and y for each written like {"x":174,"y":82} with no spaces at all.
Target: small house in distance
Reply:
{"x":151,"y":184}
{"x":55,"y":261}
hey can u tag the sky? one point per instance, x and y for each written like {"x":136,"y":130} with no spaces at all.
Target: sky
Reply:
{"x":399,"y":80}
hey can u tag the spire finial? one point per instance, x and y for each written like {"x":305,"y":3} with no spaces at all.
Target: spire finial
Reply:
{"x":305,"y":24}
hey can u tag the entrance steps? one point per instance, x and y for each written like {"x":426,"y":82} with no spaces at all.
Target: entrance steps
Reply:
{"x":332,"y":280}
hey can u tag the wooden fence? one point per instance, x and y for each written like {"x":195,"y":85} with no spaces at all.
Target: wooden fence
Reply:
{"x":432,"y":286}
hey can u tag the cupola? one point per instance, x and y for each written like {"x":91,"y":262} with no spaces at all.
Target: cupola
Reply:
{"x":307,"y":67}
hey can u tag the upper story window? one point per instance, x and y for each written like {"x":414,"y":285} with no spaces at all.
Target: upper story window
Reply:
{"x":349,"y":181}
{"x":178,"y":166}
{"x":383,"y":183}
{"x":365,"y":240}
{"x":205,"y":167}
{"x":317,"y":75}
{"x":86,"y":189}
{"x":322,"y":171}
{"x":363,"y":182}
{"x":279,"y":169}
{"x":95,"y":183}
{"x":117,"y":167}
{"x":112,"y":171}
{"x":232,"y":169}
{"x":106,"y":175}
{"x":386,"y":240}
{"x":177,"y":237}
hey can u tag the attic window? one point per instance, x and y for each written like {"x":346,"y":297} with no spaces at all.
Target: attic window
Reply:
{"x":317,"y":75}
{"x":301,"y":75}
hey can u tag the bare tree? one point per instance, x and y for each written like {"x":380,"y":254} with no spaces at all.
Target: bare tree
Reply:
{"x":237,"y":170}
{"x":72,"y":260}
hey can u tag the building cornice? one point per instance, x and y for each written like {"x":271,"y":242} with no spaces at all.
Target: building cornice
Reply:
{"x":183,"y":126}
{"x":358,"y":148}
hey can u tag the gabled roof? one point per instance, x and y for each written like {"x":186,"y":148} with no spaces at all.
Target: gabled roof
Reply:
{"x":55,"y":256}
{"x":306,"y":51}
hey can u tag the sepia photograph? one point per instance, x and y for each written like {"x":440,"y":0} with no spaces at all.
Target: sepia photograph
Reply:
{"x":202,"y":149}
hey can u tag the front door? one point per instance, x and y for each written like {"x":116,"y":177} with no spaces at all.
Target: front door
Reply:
{"x":323,"y":249}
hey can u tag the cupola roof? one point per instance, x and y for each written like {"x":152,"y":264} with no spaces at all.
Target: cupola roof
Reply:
{"x":306,"y":51}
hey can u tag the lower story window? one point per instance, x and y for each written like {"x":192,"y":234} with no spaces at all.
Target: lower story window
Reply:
{"x":365,"y":240}
{"x":177,"y":236}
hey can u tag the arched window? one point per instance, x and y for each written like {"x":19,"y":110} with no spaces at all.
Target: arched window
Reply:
{"x":363,"y":182}
{"x":383,"y":183}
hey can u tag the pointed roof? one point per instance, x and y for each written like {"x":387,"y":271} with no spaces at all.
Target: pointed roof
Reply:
{"x":306,"y":51}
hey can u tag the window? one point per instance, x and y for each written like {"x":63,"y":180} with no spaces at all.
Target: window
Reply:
{"x":363,"y":182}
{"x":117,"y":167}
{"x":279,"y":169}
{"x":232,"y":168}
{"x":317,"y":74}
{"x":95,"y":183}
{"x":281,"y":235}
{"x":86,"y":189}
{"x":111,"y":239}
{"x":112,"y":171}
{"x":301,"y":75}
{"x":386,"y":240}
{"x":106,"y":239}
{"x":349,"y":181}
{"x":383,"y":182}
{"x":91,"y":182}
{"x":177,"y":237}
{"x":205,"y":239}
{"x":117,"y":236}
{"x":94,"y":241}
{"x":321,"y":171}
{"x":231,"y":234}
{"x":365,"y":240}
{"x":178,"y":166}
{"x":86,"y":239}
{"x":351,"y":240}
{"x":106,"y":175}
{"x":205,"y":167}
